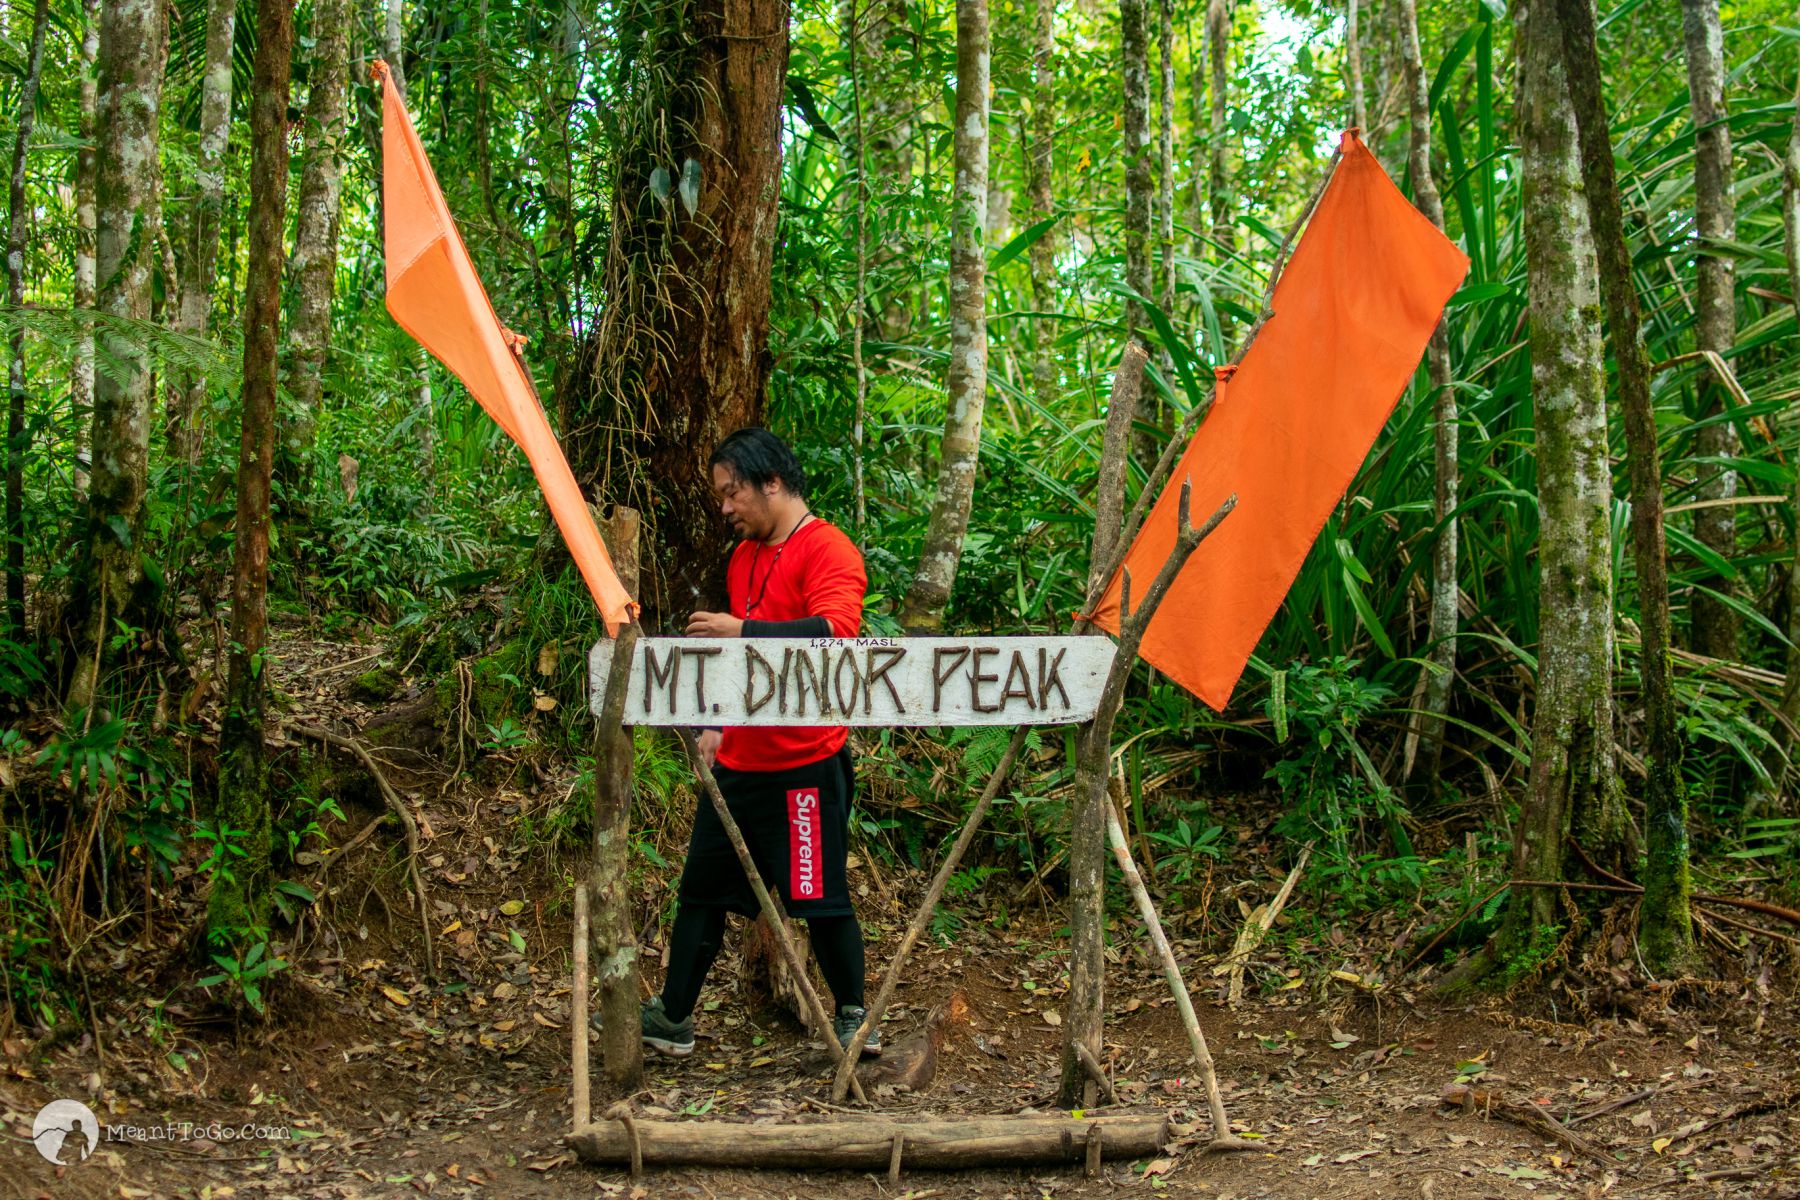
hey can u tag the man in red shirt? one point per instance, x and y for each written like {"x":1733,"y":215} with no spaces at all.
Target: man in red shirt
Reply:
{"x":789,"y":788}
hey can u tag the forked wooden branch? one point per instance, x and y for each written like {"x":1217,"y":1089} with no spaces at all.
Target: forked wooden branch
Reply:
{"x":846,"y":1070}
{"x":814,"y":1006}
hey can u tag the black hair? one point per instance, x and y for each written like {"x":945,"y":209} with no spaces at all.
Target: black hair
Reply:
{"x":758,"y":457}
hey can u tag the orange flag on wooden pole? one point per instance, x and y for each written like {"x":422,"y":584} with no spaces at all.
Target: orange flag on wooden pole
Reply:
{"x":1287,"y":431}
{"x":435,"y":295}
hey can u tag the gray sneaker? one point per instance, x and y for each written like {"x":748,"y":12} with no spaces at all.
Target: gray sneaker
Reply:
{"x":673,"y":1038}
{"x":849,"y":1019}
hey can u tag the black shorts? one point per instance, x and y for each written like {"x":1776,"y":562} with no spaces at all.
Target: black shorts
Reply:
{"x":796,"y":823}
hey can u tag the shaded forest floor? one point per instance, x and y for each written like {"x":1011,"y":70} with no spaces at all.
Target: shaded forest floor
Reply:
{"x":391,"y":1084}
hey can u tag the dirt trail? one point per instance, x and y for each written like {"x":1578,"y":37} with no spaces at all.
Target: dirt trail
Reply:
{"x":389,"y":1084}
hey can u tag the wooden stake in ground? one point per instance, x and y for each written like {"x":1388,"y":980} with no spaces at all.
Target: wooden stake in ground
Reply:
{"x":1223,"y":1138}
{"x":578,"y":1013}
{"x":815,"y":1008}
{"x":621,"y":1044}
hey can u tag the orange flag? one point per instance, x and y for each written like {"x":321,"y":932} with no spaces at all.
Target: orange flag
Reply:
{"x":434,"y":294}
{"x":1288,"y":430}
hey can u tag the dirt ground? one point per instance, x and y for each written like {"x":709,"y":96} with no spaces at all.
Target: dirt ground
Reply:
{"x":377,"y":1081}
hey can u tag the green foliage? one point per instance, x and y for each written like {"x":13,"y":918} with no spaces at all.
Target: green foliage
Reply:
{"x":246,"y":972}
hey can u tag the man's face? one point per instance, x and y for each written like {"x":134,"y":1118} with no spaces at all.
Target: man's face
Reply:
{"x":744,"y":504}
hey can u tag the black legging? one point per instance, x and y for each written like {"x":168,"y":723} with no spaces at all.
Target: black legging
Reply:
{"x":699,"y":931}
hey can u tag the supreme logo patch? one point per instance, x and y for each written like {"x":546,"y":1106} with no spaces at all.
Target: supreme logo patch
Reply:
{"x":806,"y":846}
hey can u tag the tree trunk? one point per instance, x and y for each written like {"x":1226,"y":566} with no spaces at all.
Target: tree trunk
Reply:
{"x":923,"y":610}
{"x":1715,"y":625}
{"x":1165,"y":164}
{"x":1573,"y":785}
{"x":81,"y":377}
{"x":313,"y":267}
{"x":1086,"y":997}
{"x":187,"y":394}
{"x":888,"y":115}
{"x":393,"y":41}
{"x":1043,"y":201}
{"x":1134,"y":52}
{"x":679,"y":357}
{"x":859,"y":307}
{"x":1218,"y":52}
{"x":1790,"y":222}
{"x":237,"y":912}
{"x":19,"y":228}
{"x":1442,"y":622}
{"x":133,"y":45}
{"x":616,"y":962}
{"x":1665,"y":923}
{"x":1359,"y":116}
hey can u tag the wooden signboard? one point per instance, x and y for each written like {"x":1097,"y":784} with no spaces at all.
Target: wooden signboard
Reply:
{"x":858,"y":681}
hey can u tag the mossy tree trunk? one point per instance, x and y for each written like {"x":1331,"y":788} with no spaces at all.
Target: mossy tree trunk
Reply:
{"x":929,"y":594}
{"x":18,"y":231}
{"x":1040,"y":189}
{"x":1442,"y":621}
{"x":1134,"y":55}
{"x":1666,"y":923}
{"x":1218,"y":171}
{"x":237,"y":912}
{"x":1573,"y":783}
{"x":313,"y":267}
{"x":81,"y":374}
{"x":200,"y":267}
{"x":109,"y":570}
{"x":1790,"y":223}
{"x":679,"y":357}
{"x":1715,"y":624}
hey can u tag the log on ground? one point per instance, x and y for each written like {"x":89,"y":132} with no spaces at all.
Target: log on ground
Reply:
{"x":867,"y":1143}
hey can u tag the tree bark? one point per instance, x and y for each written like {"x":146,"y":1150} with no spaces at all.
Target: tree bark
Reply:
{"x":1715,"y":625}
{"x":313,"y":266}
{"x":237,"y":911}
{"x":926,"y":599}
{"x":680,"y":356}
{"x":1573,"y":784}
{"x":616,"y":962}
{"x":133,"y":45}
{"x":187,"y":394}
{"x":1441,"y":633}
{"x":1218,"y":51}
{"x":1043,"y":201}
{"x":1665,"y":924}
{"x":859,"y":308}
{"x":393,"y":41}
{"x":1790,"y":223}
{"x":81,"y":377}
{"x":1359,"y":116}
{"x":19,"y":228}
{"x":1134,"y":53}
{"x":1087,"y":818}
{"x":1165,"y":164}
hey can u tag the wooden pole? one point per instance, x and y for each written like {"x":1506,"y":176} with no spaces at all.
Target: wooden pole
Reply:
{"x":1223,"y":1139}
{"x":621,"y":1044}
{"x":815,"y":1008}
{"x":578,"y":1012}
{"x":871,"y":1144}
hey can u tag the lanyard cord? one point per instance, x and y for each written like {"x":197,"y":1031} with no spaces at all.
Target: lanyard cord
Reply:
{"x":751,"y":606}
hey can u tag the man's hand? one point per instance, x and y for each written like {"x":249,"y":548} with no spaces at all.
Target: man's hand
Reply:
{"x":709,"y":747}
{"x":714,"y":624}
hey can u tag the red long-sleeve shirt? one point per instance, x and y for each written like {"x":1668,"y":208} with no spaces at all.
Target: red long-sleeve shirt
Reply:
{"x":817,"y":572}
